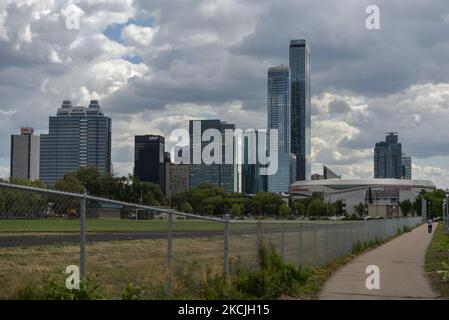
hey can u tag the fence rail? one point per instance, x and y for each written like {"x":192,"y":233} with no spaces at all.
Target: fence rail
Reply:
{"x":43,"y":231}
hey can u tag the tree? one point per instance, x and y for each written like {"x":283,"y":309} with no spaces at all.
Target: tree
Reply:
{"x":359,"y":209}
{"x":317,"y":207}
{"x":284,"y":210}
{"x":266,"y":203}
{"x":70,"y":183}
{"x":21,"y":203}
{"x":406,"y":207}
{"x":339,"y":211}
{"x":236,"y":210}
{"x":331,"y":209}
{"x":436,"y":199}
{"x":187,"y":208}
{"x":298,"y":208}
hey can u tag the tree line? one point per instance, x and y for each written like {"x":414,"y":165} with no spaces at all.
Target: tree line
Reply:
{"x":205,"y":199}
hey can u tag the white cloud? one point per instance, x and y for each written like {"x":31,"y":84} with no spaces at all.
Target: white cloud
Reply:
{"x":135,"y":35}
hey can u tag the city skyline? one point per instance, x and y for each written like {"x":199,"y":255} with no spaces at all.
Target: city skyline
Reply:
{"x":157,"y":81}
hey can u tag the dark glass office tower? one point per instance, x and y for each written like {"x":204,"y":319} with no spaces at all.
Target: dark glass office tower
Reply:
{"x":149,"y":159}
{"x":222,"y":175}
{"x":77,"y":137}
{"x":300,"y":66}
{"x":252,"y":181}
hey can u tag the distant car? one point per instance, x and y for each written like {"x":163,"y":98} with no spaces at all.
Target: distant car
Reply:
{"x":437,"y":219}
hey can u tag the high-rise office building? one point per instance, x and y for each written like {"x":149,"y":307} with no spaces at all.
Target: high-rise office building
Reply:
{"x":220,"y":174}
{"x":388,"y":157}
{"x":179,"y":178}
{"x":300,"y":106}
{"x":396,"y":154}
{"x":77,"y":137}
{"x":382,"y":160}
{"x":252,"y":181}
{"x":149,"y":159}
{"x":167,"y":163}
{"x":25,"y":153}
{"x":279,"y":118}
{"x":406,"y":167}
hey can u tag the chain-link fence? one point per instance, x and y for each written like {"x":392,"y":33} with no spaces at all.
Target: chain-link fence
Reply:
{"x":311,"y":243}
{"x":120,"y":245}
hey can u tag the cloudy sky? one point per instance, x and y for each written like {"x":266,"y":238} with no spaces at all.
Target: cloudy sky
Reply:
{"x":154,"y":64}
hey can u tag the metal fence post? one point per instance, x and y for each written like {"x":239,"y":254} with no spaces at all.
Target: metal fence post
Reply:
{"x":259,"y":235}
{"x":326,"y":249}
{"x":283,"y":241}
{"x":300,"y":245}
{"x":170,"y":251}
{"x":258,"y":240}
{"x":315,"y":258}
{"x":83,"y":239}
{"x":227,"y":217}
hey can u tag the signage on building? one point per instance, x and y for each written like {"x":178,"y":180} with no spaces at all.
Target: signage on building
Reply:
{"x":26,"y":130}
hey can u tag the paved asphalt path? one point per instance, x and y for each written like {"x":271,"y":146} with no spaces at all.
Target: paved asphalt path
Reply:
{"x":401,"y":264}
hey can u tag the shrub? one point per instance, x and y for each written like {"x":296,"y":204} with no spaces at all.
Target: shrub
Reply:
{"x":131,"y":292}
{"x":54,"y":289}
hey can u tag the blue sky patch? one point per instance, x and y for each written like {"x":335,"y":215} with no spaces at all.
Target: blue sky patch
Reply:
{"x":114,"y":31}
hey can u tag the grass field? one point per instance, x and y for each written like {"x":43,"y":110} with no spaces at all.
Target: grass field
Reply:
{"x":127,"y":225}
{"x":103,"y":225}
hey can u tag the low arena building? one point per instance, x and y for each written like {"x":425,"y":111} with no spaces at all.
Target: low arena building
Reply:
{"x":381,"y":197}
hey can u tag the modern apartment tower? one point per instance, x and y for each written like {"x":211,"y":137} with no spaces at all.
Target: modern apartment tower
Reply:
{"x":406,"y":167}
{"x":300,"y":106}
{"x":149,"y":159}
{"x":279,"y":118}
{"x":220,"y":174}
{"x":77,"y":137}
{"x":25,"y":153}
{"x":388,"y":158}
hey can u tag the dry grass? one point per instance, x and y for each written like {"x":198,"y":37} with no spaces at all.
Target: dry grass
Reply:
{"x":113,"y":264}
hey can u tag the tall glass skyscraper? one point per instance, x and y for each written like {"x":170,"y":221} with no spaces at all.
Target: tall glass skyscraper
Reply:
{"x":219,"y":174}
{"x":388,"y":158}
{"x":300,"y":66}
{"x":279,"y":118}
{"x":77,"y":137}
